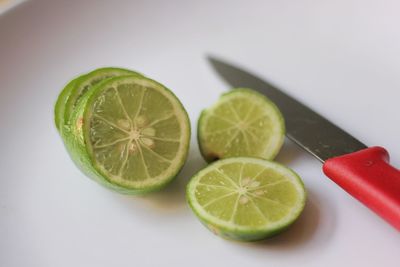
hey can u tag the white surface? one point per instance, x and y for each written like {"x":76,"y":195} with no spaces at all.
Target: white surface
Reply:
{"x":340,"y":57}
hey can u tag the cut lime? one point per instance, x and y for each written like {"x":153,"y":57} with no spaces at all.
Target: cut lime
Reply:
{"x":246,"y":199}
{"x":74,"y":90}
{"x":129,"y":133}
{"x":59,"y":108}
{"x":242,"y":123}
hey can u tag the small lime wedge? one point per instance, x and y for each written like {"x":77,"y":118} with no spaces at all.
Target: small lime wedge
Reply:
{"x":74,"y":90}
{"x":246,"y":199}
{"x":129,"y":133}
{"x":242,"y":123}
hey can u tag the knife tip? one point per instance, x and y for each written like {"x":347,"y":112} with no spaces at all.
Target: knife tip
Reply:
{"x":215,"y":61}
{"x":211,"y":58}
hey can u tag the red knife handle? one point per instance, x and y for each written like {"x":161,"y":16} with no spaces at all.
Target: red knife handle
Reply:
{"x":368,"y":176}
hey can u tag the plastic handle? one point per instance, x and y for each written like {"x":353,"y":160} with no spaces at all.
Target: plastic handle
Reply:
{"x":368,"y":176}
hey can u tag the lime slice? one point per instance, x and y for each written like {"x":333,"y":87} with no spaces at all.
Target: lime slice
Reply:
{"x":59,"y":108}
{"x":129,"y":133}
{"x":74,"y":90}
{"x":242,"y":123}
{"x":246,"y":199}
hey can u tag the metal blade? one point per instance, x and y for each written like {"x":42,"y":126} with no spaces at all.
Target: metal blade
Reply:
{"x":305,"y":127}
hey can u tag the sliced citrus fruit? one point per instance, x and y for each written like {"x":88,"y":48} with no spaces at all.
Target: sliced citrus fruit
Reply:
{"x":242,"y":123}
{"x":246,"y":199}
{"x":74,"y":90}
{"x":130,"y":133}
{"x":59,"y":108}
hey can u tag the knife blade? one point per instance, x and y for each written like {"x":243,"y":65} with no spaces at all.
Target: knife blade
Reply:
{"x":363,"y":172}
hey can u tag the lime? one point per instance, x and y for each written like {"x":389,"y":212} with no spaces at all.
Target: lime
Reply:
{"x":129,"y":133}
{"x":242,"y":123}
{"x":246,"y":199}
{"x":59,"y":107}
{"x":75,"y":89}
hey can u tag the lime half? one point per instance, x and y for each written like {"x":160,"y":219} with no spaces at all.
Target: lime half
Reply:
{"x":242,"y":123}
{"x":74,"y":90}
{"x":130,"y":133}
{"x":246,"y":199}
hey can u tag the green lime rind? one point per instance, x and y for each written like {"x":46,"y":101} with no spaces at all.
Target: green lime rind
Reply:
{"x":75,"y":146}
{"x":59,"y":108}
{"x":231,"y":230}
{"x":70,"y":95}
{"x":77,"y":134}
{"x":87,"y":81}
{"x":200,"y":140}
{"x":269,"y":150}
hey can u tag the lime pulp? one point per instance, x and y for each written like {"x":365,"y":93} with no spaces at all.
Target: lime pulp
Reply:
{"x":129,"y":133}
{"x":245,"y":198}
{"x":242,"y":123}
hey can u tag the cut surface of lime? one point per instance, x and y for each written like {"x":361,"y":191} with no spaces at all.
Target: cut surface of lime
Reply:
{"x":246,"y":199}
{"x":242,"y":123}
{"x":133,"y":132}
{"x":71,"y":94}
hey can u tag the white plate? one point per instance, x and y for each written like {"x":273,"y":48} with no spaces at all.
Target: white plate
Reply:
{"x":340,"y":57}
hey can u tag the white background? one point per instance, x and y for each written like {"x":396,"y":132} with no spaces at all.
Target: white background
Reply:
{"x":339,"y":57}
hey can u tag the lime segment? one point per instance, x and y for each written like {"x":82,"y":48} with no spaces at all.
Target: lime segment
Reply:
{"x":242,"y":123}
{"x":246,"y":198}
{"x":134,"y":133}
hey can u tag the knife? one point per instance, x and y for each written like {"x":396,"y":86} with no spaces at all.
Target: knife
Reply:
{"x":364,"y":172}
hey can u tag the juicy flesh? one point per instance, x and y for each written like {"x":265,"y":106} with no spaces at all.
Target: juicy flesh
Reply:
{"x":237,"y":127}
{"x":134,"y":132}
{"x":246,"y":194}
{"x":84,"y":86}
